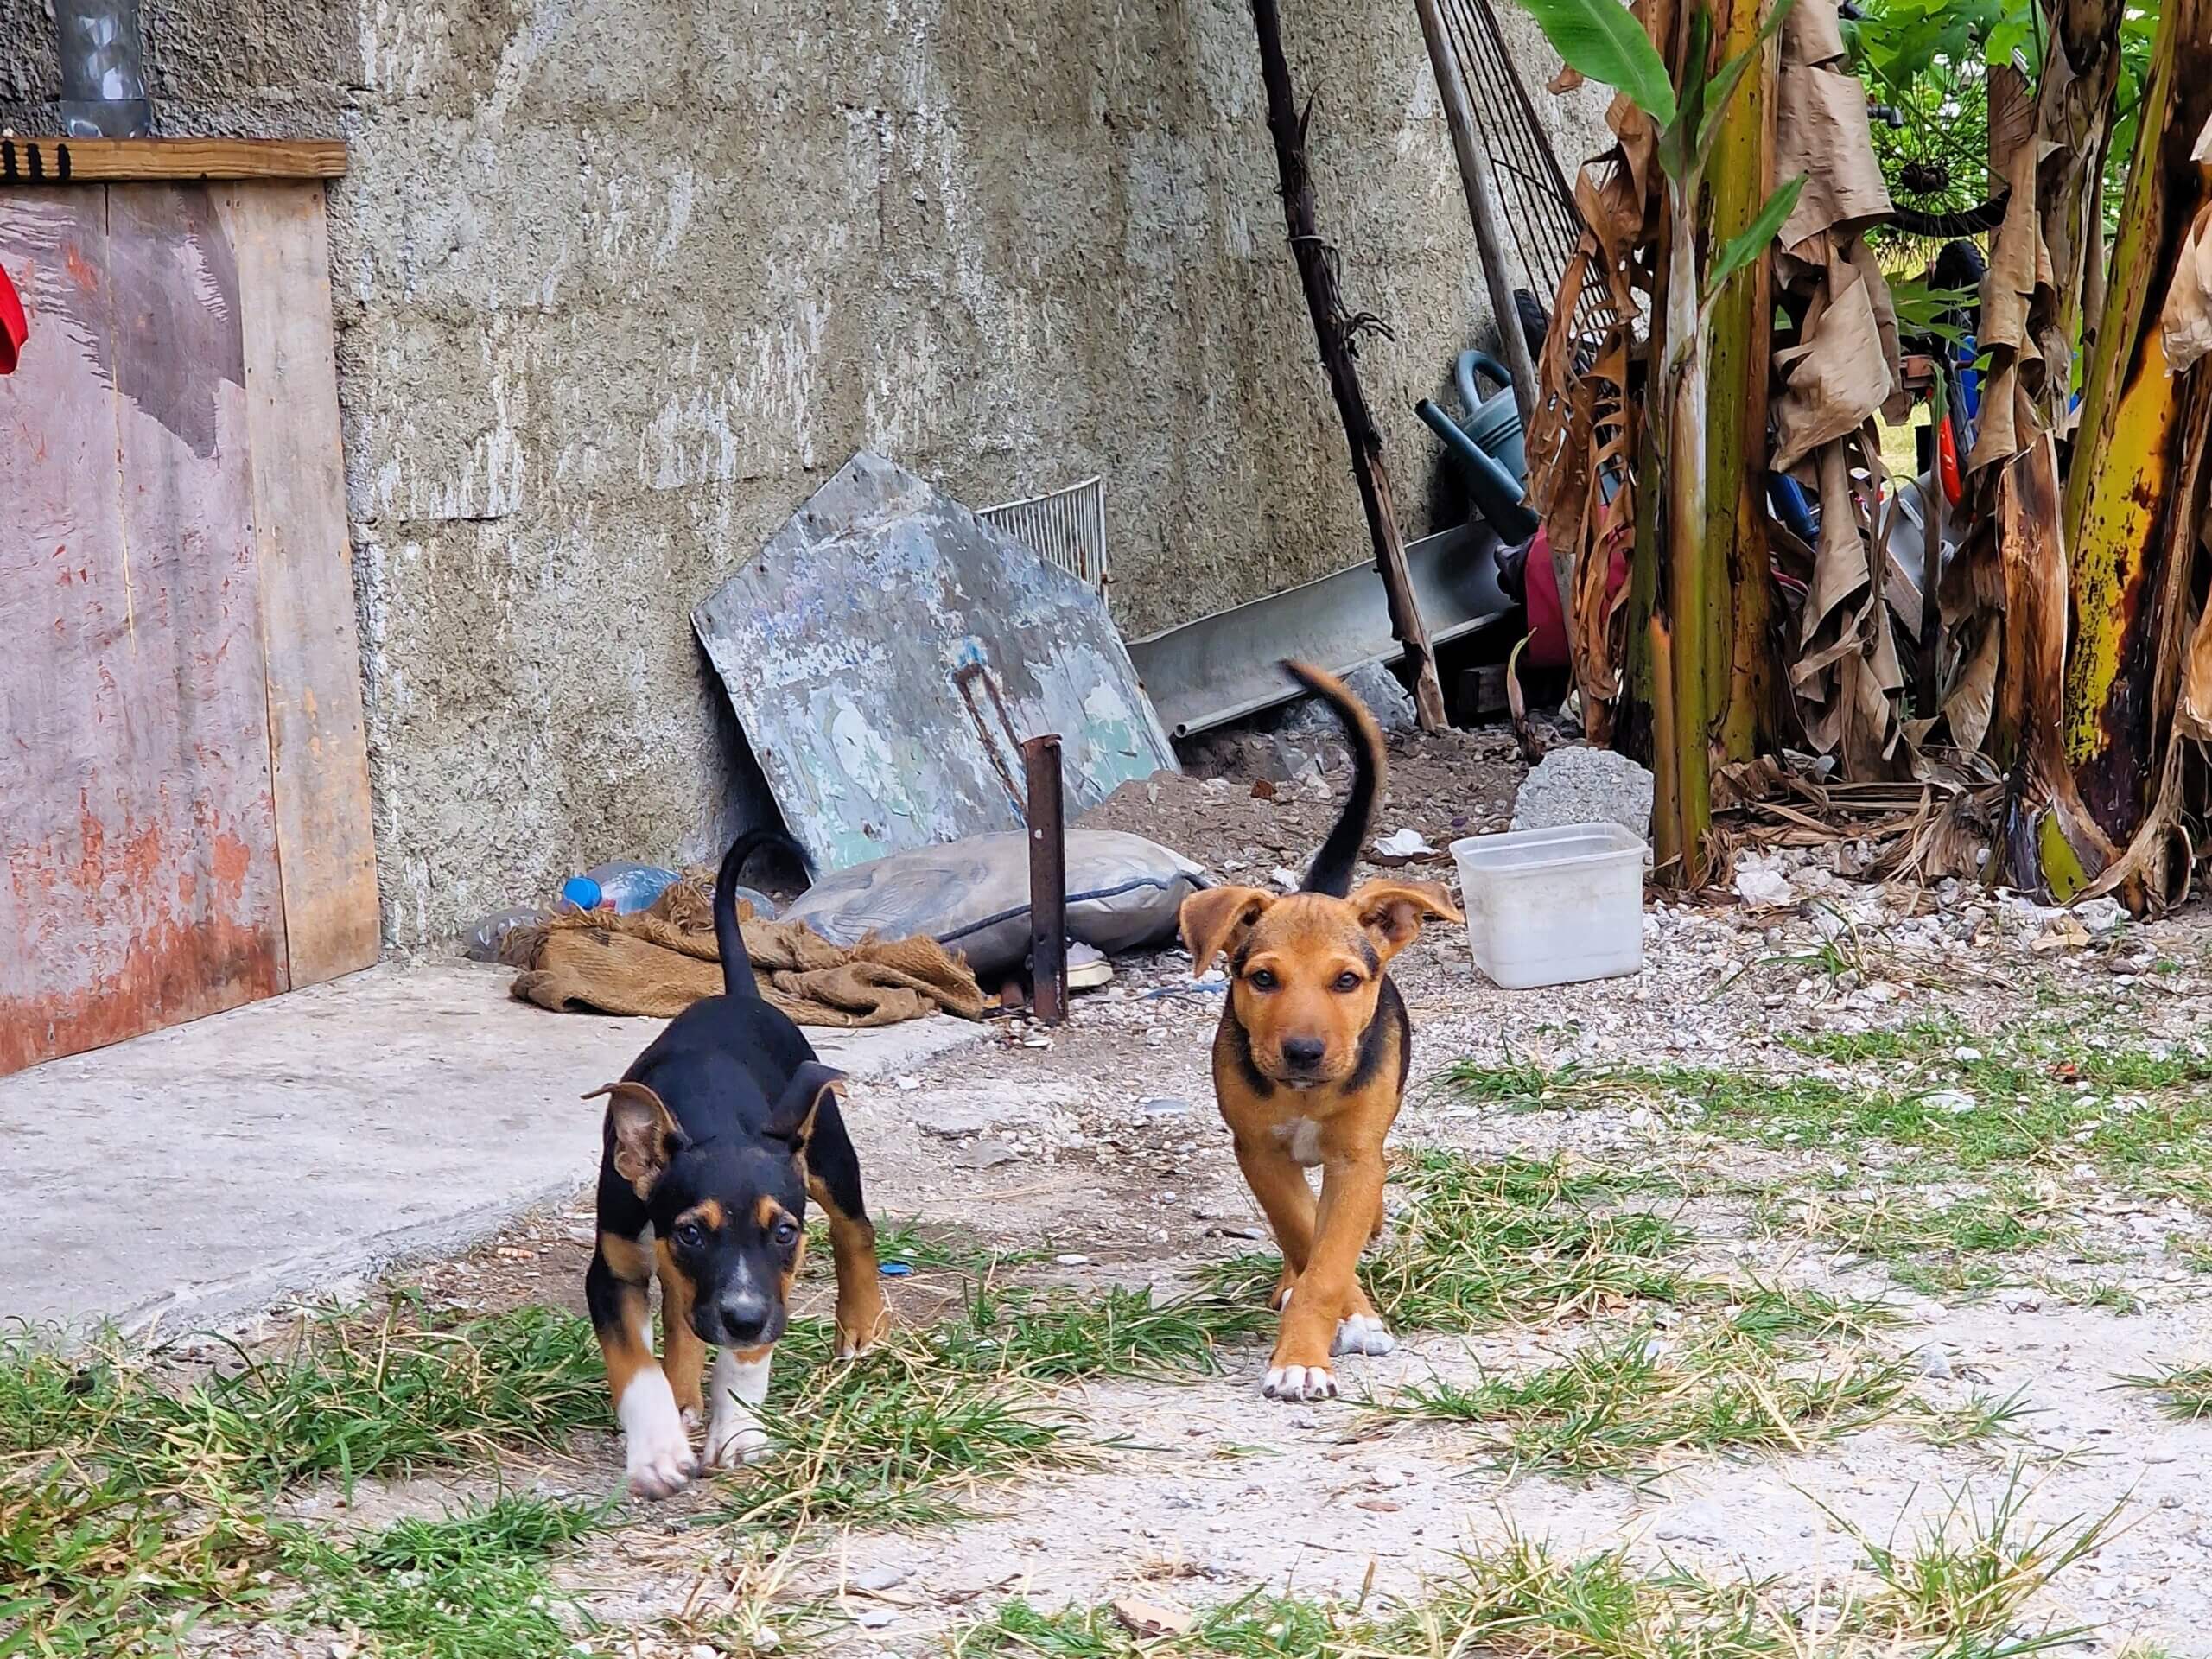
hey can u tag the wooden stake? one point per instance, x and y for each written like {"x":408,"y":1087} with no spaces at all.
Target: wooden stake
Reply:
{"x":1287,"y":128}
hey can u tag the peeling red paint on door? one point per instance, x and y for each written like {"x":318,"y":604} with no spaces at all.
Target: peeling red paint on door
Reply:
{"x":137,"y":820}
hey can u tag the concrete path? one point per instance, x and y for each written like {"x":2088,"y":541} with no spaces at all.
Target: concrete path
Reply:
{"x":198,"y":1173}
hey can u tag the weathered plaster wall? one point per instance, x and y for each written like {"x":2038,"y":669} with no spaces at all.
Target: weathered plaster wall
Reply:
{"x":619,"y":281}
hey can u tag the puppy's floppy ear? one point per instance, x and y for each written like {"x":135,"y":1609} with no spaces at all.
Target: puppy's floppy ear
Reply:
{"x":1392,"y":912}
{"x":645,"y":1136}
{"x":791,"y":1118}
{"x":1215,"y":920}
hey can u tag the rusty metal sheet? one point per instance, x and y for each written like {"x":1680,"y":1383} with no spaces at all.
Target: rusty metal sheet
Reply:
{"x":137,"y":827}
{"x":888,"y":651}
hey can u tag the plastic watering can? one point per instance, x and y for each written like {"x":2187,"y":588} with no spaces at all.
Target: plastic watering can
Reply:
{"x":1489,"y":445}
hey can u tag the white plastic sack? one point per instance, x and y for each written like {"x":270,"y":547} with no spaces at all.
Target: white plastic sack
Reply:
{"x":972,"y":896}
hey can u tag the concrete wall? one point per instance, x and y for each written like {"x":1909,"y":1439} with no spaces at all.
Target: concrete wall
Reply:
{"x":620,"y":282}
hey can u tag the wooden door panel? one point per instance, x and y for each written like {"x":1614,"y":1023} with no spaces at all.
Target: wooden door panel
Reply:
{"x":137,"y":811}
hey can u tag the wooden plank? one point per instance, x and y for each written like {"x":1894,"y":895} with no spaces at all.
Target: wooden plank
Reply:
{"x":37,"y":161}
{"x":318,"y":741}
{"x":139,"y":837}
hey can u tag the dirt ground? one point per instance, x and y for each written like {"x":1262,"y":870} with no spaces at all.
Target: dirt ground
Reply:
{"x":1102,"y":1154}
{"x":1095,"y":1156}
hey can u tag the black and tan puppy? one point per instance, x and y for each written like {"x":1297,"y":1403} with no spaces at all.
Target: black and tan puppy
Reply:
{"x":715,"y":1139}
{"x":1310,"y":1062}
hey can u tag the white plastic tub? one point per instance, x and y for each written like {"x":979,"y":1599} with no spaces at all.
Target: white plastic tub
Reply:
{"x":1554,"y":907}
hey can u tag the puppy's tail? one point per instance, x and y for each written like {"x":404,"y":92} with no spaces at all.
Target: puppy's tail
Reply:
{"x":738,"y":978}
{"x":1332,"y":866}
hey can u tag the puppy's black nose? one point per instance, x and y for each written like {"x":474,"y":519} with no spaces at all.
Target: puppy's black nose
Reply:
{"x":1303,"y":1053}
{"x":744,"y":1316}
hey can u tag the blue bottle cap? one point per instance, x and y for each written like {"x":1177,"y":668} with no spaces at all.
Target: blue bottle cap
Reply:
{"x":581,"y":892}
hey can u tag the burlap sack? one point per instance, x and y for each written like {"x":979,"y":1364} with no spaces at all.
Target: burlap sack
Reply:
{"x":661,"y":961}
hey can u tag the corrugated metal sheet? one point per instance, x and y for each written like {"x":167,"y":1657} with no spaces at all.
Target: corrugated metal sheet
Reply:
{"x":889,"y":651}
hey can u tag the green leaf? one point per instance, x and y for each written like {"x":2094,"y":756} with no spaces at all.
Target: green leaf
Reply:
{"x":1602,"y":41}
{"x":1740,"y":251}
{"x":1714,"y":101}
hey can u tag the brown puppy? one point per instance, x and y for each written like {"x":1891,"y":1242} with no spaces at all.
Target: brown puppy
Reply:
{"x":1310,"y":1062}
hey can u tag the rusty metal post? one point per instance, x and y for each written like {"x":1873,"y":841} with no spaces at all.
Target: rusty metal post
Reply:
{"x":1048,"y":881}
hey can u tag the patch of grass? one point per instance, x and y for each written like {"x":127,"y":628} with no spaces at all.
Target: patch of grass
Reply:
{"x":1478,"y":1244}
{"x":1980,"y":1419}
{"x":346,"y":1398}
{"x":2184,"y":1392}
{"x":2106,"y":1294}
{"x":2052,"y":1091}
{"x":1778,"y":1315}
{"x":1916,"y":1041}
{"x":1057,"y":1336}
{"x":1959,"y":1586}
{"x":1252,"y":1627}
{"x":1627,"y":1405}
{"x":133,"y":1502}
{"x":1934,"y":1247}
{"x":894,"y":1438}
{"x":1957,"y":1592}
{"x":470,"y":1586}
{"x":934,"y":1248}
{"x":910,"y":1431}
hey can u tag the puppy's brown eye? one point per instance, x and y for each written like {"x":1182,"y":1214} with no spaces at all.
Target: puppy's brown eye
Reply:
{"x":690,"y":1235}
{"x":786,"y":1231}
{"x":1262,"y":980}
{"x":1348,"y":981}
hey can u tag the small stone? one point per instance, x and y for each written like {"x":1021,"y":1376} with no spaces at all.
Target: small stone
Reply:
{"x":984,"y":1154}
{"x":1165,"y":1106}
{"x":1934,"y":1364}
{"x":1072,"y":1261}
{"x":875,"y":1618}
{"x":880,"y":1578}
{"x":1954,"y":1101}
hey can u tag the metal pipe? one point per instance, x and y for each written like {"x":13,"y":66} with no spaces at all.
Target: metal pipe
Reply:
{"x":1048,"y":881}
{"x":1482,"y":197}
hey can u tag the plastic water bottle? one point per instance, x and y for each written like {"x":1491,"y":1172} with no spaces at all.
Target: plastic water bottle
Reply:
{"x":620,"y":886}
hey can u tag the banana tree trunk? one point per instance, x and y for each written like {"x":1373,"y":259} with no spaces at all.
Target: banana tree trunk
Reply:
{"x":2075,"y":113}
{"x":1690,"y":594}
{"x":2134,"y":506}
{"x":1740,"y":179}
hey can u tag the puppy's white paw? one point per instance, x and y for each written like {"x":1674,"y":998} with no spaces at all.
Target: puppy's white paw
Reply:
{"x":1362,"y":1333}
{"x":735,"y":1444}
{"x":1299,"y":1383}
{"x":656,"y":1452}
{"x":734,"y":1437}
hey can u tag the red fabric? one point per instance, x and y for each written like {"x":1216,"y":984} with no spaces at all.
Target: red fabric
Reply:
{"x":1946,"y":457}
{"x":1547,"y":618}
{"x":14,"y":331}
